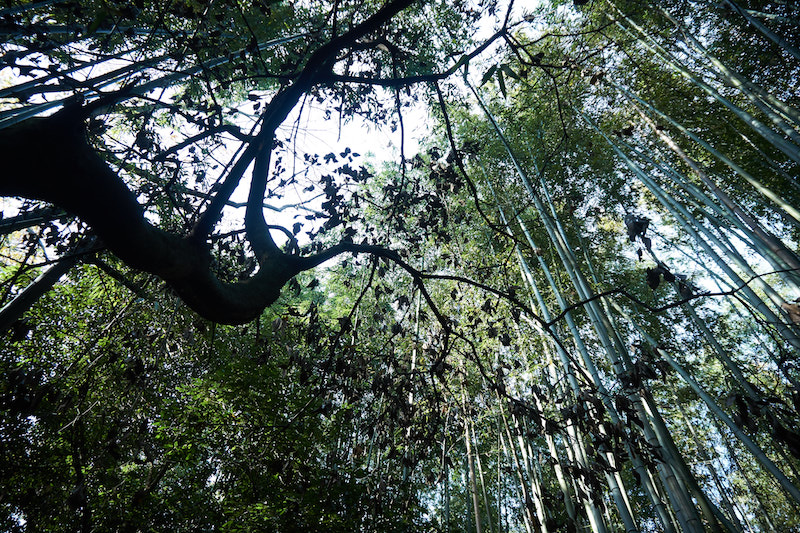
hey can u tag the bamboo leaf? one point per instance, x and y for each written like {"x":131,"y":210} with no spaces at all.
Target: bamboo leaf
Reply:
{"x":488,"y":75}
{"x":502,"y":82}
{"x":510,"y":72}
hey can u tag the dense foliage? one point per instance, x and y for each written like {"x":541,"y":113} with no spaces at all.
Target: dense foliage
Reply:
{"x":575,"y":306}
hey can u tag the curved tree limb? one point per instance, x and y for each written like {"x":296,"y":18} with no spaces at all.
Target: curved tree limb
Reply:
{"x":73,"y":176}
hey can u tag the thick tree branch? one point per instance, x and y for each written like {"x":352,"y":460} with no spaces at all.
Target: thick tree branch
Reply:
{"x":254,"y":221}
{"x":74,"y":177}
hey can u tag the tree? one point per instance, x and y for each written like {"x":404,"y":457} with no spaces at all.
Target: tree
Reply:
{"x":572,"y":309}
{"x":189,"y":40}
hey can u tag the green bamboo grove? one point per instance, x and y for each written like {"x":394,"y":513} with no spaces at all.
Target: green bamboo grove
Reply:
{"x":570,"y":304}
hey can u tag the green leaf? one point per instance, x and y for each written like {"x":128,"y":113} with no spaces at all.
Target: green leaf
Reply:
{"x":98,"y":20}
{"x":488,"y":75}
{"x":501,"y":80}
{"x":462,"y":61}
{"x":510,"y":72}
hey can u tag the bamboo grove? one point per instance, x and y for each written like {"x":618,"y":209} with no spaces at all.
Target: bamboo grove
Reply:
{"x":575,"y":308}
